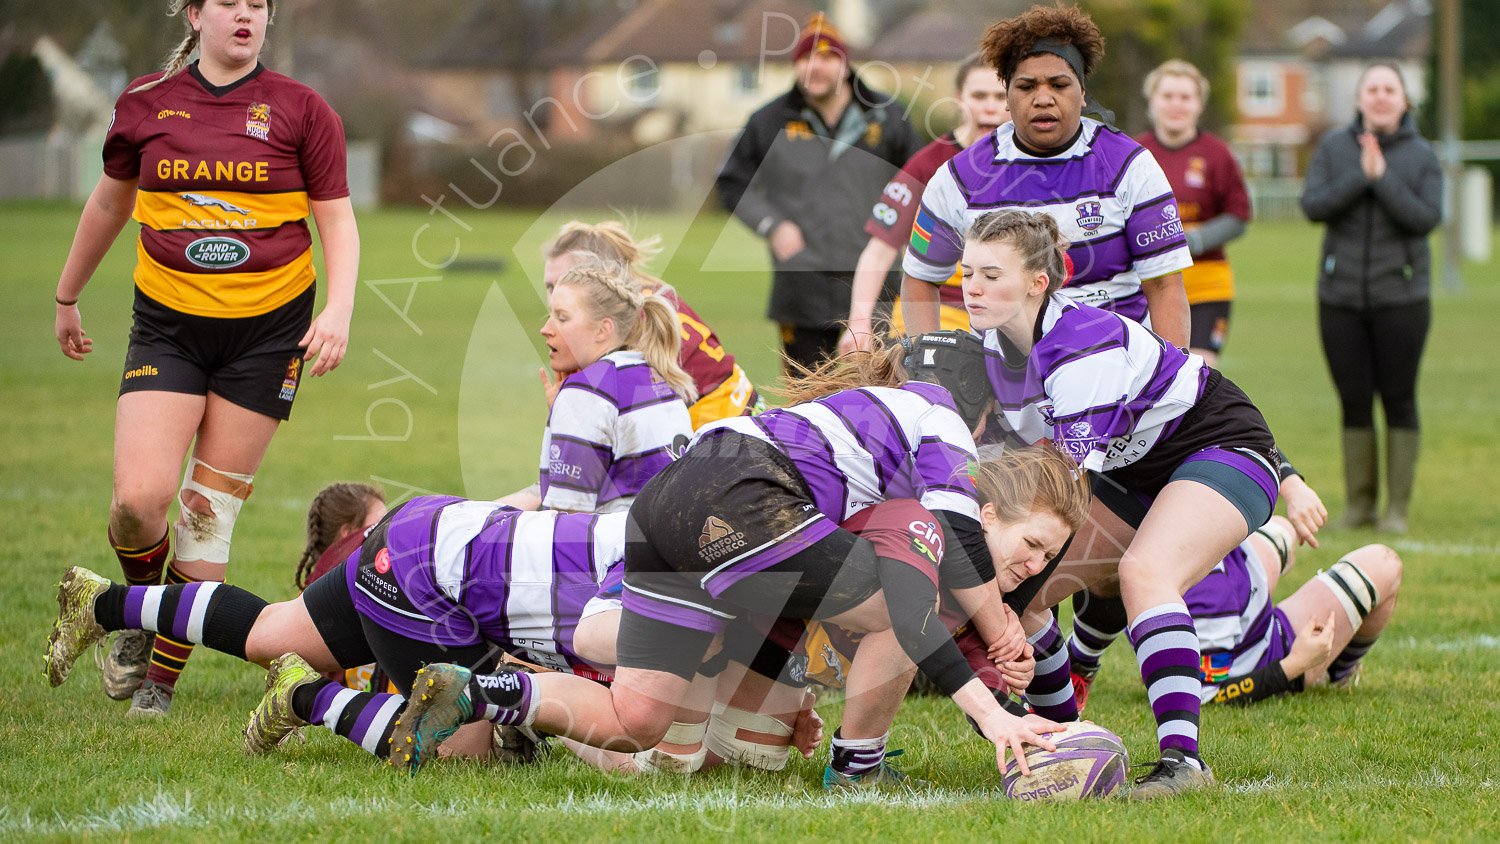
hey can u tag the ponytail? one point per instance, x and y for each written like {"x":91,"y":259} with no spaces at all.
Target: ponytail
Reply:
{"x":647,"y":324}
{"x":184,"y":50}
{"x":656,"y":336}
{"x":880,"y":366}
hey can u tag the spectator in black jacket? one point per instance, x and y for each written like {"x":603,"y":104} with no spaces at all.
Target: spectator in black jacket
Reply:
{"x":803,"y":174}
{"x":1378,"y":186}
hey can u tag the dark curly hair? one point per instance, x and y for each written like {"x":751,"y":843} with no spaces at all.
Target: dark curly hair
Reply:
{"x":1006,"y":43}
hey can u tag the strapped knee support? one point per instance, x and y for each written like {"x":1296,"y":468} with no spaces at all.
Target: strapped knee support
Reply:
{"x":205,"y":536}
{"x":723,"y":738}
{"x":658,"y":761}
{"x":1356,"y":592}
{"x":1276,"y":535}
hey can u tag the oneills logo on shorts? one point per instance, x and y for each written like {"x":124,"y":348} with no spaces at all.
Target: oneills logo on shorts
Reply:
{"x":142,"y":372}
{"x":718,"y":539}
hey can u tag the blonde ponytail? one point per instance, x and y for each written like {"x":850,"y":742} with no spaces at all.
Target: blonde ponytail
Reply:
{"x":648,"y":324}
{"x":657,"y":338}
{"x":878,"y":366}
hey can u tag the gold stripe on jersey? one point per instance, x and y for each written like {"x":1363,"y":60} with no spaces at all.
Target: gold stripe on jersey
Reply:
{"x":223,"y":294}
{"x":219,"y":210}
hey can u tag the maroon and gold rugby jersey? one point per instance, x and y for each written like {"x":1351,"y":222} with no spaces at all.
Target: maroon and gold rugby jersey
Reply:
{"x":225,"y":179}
{"x":892,"y":218}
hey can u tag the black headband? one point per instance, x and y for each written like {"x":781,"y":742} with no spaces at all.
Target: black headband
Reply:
{"x":1070,"y":54}
{"x":1060,"y":48}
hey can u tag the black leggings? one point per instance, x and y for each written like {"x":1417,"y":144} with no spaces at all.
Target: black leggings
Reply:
{"x":1376,"y":351}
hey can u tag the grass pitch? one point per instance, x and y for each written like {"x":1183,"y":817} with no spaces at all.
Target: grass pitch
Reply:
{"x":439,"y":393}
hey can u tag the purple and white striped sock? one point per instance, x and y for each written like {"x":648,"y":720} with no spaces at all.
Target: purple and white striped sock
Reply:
{"x":1051,"y":691}
{"x":1348,"y":659}
{"x":1097,"y":623}
{"x":1166,"y":646}
{"x":364,"y":718}
{"x":852,"y":757}
{"x":213,"y":614}
{"x":508,"y":699}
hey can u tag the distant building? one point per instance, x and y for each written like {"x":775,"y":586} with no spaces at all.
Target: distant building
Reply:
{"x":1299,"y":65}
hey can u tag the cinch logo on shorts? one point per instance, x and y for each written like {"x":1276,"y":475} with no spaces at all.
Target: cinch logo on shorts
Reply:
{"x":718,"y":539}
{"x":142,"y":372}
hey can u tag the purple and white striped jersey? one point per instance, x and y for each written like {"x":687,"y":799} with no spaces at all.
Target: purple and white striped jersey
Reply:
{"x":857,"y":448}
{"x":1109,"y":197}
{"x":610,"y":431}
{"x":1102,"y":387}
{"x":455,"y":568}
{"x":1239,"y":630}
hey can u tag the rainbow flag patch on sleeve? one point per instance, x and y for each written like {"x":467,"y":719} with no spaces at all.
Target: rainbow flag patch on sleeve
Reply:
{"x":921,"y":231}
{"x":1215,"y":667}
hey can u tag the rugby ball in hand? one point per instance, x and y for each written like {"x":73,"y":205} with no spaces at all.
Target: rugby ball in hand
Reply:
{"x":1089,"y":762}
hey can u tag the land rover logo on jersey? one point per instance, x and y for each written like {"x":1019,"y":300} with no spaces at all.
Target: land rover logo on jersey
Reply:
{"x":1089,"y":216}
{"x":217,"y":253}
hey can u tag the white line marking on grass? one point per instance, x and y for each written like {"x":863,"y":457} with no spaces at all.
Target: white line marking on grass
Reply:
{"x":1479,"y":641}
{"x":166,"y":810}
{"x":1450,"y":549}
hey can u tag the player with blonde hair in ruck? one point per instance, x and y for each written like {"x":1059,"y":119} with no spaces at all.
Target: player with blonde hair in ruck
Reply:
{"x":221,"y":161}
{"x":622,"y":397}
{"x":724,"y":389}
{"x":747,"y":522}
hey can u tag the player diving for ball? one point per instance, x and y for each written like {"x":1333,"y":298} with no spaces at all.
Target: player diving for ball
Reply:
{"x":746,"y":522}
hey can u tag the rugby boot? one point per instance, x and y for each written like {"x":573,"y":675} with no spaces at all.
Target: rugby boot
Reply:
{"x":1172,"y":775}
{"x":883,"y":777}
{"x":1361,"y":470}
{"x":1081,"y":684}
{"x":515,"y":745}
{"x":125,"y":666}
{"x":438,"y":706}
{"x":151,"y":700}
{"x":273,"y":721}
{"x":75,"y":628}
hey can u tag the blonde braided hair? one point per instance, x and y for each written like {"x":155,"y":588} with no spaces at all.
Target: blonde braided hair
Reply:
{"x":610,"y":241}
{"x":184,"y":49}
{"x":648,"y":323}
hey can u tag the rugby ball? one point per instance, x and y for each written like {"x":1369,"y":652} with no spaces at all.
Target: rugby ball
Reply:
{"x":1090,"y":762}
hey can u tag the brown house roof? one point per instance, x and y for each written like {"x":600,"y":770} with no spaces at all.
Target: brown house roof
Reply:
{"x":946,"y":32}
{"x":680,"y":30}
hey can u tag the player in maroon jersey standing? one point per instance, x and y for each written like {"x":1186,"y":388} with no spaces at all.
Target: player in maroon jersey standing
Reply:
{"x":981,"y":96}
{"x":220,"y":161}
{"x":1211,"y":196}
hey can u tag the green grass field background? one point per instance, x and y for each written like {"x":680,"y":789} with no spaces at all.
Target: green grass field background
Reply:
{"x":439,"y":393}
